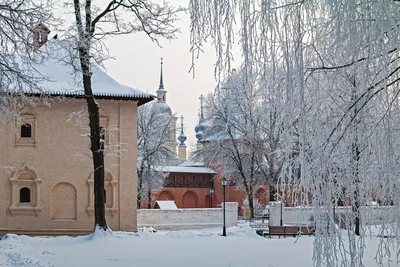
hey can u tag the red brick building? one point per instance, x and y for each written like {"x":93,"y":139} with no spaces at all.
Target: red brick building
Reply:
{"x":188,"y":186}
{"x":193,"y":185}
{"x":196,"y":186}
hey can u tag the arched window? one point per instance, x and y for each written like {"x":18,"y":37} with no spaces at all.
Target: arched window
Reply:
{"x":26,"y":130}
{"x":26,"y":134}
{"x":25,"y":195}
{"x":25,"y":192}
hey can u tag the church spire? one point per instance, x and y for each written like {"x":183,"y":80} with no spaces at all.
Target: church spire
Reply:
{"x":181,"y":123}
{"x":201,"y":126}
{"x":201,"y":107}
{"x":161,"y":92}
{"x":161,"y":86}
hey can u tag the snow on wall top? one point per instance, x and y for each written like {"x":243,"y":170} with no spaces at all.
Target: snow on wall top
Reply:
{"x":166,"y":205}
{"x":184,"y":169}
{"x":61,"y":80}
{"x":189,"y":163}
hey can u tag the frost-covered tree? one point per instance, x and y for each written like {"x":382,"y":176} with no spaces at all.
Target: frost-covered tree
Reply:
{"x":19,"y":19}
{"x":234,"y":138}
{"x":339,"y":66}
{"x":155,"y":129}
{"x":92,"y":24}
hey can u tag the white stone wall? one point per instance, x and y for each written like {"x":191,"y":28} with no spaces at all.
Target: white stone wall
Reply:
{"x":304,"y":215}
{"x":274,"y":213}
{"x":298,"y":216}
{"x":180,"y":219}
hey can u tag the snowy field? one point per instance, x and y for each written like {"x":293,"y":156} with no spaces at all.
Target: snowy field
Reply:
{"x":191,"y":248}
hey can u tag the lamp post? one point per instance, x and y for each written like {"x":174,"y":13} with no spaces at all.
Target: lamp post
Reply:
{"x":224,"y":183}
{"x":211,"y":196}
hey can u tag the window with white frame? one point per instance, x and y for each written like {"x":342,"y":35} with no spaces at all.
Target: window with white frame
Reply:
{"x":26,"y":134}
{"x":25,"y":192}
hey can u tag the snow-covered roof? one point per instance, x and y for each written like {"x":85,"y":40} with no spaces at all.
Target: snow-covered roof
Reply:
{"x":60,"y":78}
{"x":184,"y":169}
{"x":189,"y":163}
{"x":166,"y":204}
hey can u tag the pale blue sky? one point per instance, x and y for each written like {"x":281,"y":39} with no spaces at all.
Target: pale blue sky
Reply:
{"x":137,"y":64}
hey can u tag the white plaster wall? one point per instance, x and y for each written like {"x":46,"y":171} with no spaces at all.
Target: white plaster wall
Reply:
{"x":231,"y":215}
{"x":304,"y":216}
{"x":54,"y":158}
{"x":373,"y":214}
{"x":187,"y":218}
{"x":298,"y":216}
{"x":274,"y":213}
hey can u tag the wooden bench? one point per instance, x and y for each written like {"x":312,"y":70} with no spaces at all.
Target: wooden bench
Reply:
{"x":290,"y":231}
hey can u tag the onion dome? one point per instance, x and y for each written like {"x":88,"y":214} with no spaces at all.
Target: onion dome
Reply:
{"x":201,"y":126}
{"x":199,"y":135}
{"x":182,"y":137}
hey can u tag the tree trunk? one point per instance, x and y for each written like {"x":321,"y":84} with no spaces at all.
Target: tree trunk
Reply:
{"x":356,"y":204}
{"x":96,"y":147}
{"x":356,"y":161}
{"x":272,"y":193}
{"x":98,"y":157}
{"x":139,"y":200}
{"x":139,"y":188}
{"x":342,"y":198}
{"x":251,"y":205}
{"x":149,"y":199}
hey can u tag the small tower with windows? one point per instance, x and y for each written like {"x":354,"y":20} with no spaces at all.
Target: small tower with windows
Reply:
{"x":164,"y":108}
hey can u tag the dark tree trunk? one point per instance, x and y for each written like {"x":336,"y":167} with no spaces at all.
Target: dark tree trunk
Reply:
{"x":149,"y":199}
{"x":356,"y":176}
{"x":139,"y":189}
{"x":139,"y":200}
{"x":357,"y":222}
{"x":249,"y":192}
{"x":356,"y":204}
{"x":85,"y":36}
{"x":342,"y":198}
{"x":272,"y":192}
{"x":97,"y":153}
{"x":251,"y":205}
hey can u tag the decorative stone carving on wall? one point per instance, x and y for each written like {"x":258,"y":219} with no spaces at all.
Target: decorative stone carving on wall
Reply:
{"x":25,"y":177}
{"x":110,"y":187}
{"x":63,"y":202}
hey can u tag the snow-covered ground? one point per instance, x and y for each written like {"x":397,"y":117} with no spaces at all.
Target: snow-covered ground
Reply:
{"x":191,"y":248}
